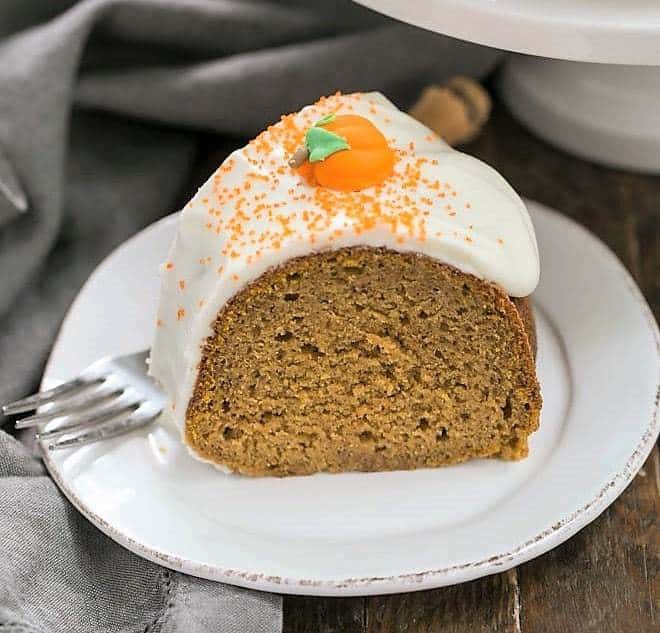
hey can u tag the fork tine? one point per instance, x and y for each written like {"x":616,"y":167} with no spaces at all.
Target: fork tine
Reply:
{"x":81,"y":421}
{"x":104,"y":432}
{"x":30,"y":403}
{"x":89,"y":407}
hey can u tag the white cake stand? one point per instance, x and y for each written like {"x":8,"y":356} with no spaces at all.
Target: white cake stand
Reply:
{"x":602,"y":103}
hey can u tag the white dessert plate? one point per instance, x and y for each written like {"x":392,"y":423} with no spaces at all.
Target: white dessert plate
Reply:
{"x":357,"y":534}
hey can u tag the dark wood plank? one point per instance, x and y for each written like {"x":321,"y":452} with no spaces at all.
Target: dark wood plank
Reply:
{"x":647,"y":227}
{"x":324,"y":615}
{"x":487,"y":605}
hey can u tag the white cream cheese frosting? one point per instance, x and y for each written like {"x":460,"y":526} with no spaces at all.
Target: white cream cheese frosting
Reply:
{"x":256,"y":212}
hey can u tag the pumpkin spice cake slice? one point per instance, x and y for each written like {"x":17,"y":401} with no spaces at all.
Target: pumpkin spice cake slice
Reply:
{"x":348,"y":293}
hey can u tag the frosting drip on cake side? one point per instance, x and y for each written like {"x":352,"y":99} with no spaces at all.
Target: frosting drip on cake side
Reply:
{"x":256,"y":212}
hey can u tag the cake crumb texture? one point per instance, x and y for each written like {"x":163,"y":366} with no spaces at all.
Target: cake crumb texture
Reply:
{"x":365,"y":359}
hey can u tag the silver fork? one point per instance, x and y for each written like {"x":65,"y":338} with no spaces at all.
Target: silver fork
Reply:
{"x":111,"y":397}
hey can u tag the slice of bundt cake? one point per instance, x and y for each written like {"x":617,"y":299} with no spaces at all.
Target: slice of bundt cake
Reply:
{"x":348,"y":293}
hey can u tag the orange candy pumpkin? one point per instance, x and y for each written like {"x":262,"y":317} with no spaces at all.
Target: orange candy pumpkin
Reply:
{"x":368,"y":162}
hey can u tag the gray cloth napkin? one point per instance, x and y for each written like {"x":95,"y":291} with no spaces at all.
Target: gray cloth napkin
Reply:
{"x":103,"y":108}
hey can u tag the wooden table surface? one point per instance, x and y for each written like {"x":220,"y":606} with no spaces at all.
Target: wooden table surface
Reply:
{"x":606,"y":578}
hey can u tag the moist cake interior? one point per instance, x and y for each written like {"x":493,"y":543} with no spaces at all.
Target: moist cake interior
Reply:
{"x":365,"y":359}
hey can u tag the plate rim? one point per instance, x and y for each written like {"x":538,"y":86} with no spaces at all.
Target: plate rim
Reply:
{"x":432,"y":578}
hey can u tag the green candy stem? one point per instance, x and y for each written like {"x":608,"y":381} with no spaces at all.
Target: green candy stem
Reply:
{"x":319,"y":143}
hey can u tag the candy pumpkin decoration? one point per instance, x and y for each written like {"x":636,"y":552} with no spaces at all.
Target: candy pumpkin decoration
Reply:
{"x":344,"y":152}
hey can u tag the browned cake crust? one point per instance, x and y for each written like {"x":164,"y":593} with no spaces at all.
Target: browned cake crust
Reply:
{"x":365,"y":359}
{"x":524,"y":306}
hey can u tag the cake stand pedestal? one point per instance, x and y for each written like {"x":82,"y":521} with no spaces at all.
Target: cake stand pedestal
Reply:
{"x":602,"y":103}
{"x":606,"y":113}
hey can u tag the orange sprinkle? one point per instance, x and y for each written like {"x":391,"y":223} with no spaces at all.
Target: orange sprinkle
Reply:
{"x":180,"y":314}
{"x":169,"y":265}
{"x":182,"y":284}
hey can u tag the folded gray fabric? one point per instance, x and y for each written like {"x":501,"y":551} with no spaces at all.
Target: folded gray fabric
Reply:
{"x":102,"y":107}
{"x":59,"y":573}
